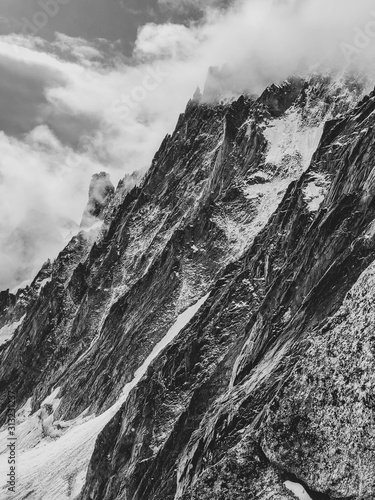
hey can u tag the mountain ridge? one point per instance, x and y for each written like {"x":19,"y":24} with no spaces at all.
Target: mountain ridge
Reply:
{"x":226,"y":209}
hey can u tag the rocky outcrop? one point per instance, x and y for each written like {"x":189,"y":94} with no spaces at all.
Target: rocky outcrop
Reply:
{"x":100,"y":192}
{"x":321,"y":424}
{"x":212,"y":416}
{"x":233,"y":212}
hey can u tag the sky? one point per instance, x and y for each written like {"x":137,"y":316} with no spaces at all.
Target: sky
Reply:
{"x":93,"y":85}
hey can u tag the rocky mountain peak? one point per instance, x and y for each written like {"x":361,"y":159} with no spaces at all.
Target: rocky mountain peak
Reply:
{"x":100,"y":192}
{"x":197,"y":97}
{"x":205,"y":343}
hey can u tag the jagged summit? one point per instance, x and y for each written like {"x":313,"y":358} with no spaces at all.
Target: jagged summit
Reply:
{"x":220,"y":85}
{"x":197,"y":97}
{"x":100,"y":192}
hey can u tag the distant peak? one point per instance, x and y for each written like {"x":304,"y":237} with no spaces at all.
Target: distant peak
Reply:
{"x":213,"y":87}
{"x":197,"y":97}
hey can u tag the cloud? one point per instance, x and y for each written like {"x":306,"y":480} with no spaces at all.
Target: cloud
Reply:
{"x":70,"y":108}
{"x":60,"y":125}
{"x":171,"y":41}
{"x":27,"y":78}
{"x":23,"y":103}
{"x":34,"y":193}
{"x":185,"y":6}
{"x":265,"y":41}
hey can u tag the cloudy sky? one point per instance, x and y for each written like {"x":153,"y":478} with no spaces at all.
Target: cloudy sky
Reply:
{"x":92,"y":85}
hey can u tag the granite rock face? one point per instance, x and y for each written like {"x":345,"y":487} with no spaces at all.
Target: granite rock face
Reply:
{"x":264,"y":209}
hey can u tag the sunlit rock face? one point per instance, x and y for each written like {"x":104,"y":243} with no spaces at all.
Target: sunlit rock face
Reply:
{"x":201,"y":341}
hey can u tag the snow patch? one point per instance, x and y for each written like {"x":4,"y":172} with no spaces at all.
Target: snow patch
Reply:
{"x":298,"y":490}
{"x":182,"y":320}
{"x":259,"y":176}
{"x":313,"y":196}
{"x":53,"y":456}
{"x":44,"y":282}
{"x":315,"y":191}
{"x":370,"y":231}
{"x":263,"y":199}
{"x":7,"y":331}
{"x":289,"y":136}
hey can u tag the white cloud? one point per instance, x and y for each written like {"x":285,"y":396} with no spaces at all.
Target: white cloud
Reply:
{"x":174,"y":41}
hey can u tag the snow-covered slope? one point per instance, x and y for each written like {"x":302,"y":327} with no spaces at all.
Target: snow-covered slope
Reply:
{"x":52,"y":454}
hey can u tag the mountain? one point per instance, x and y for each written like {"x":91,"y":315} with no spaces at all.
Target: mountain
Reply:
{"x":213,"y":337}
{"x":100,"y":192}
{"x":29,"y":245}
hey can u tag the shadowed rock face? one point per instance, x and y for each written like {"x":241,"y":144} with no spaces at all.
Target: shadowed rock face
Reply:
{"x":233,"y":406}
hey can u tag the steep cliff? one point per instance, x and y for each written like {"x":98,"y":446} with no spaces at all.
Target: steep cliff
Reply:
{"x":175,"y":351}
